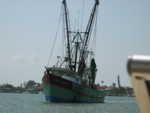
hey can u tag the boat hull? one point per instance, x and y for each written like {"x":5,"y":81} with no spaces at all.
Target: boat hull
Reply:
{"x":58,"y":89}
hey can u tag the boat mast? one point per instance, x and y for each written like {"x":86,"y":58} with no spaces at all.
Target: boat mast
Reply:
{"x":86,"y":37}
{"x":89,"y":28}
{"x":67,"y":32}
{"x":78,"y":41}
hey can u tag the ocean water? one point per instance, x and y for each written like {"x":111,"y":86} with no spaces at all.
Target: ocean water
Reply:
{"x":35,"y":103}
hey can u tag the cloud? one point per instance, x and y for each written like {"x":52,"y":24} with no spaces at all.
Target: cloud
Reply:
{"x":15,"y":69}
{"x":26,"y":57}
{"x":21,"y":59}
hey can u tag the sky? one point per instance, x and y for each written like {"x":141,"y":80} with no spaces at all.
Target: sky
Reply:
{"x":28,"y":28}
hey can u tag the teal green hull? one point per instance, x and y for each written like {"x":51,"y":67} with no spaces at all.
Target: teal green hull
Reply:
{"x":58,"y":89}
{"x":78,"y":94}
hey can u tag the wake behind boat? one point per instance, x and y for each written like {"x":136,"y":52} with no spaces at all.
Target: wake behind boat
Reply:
{"x":73,"y":79}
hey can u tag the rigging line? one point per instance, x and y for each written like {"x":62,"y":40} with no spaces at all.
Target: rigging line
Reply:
{"x":94,"y":18}
{"x":86,"y":47}
{"x":78,"y":20}
{"x":61,"y":47}
{"x":58,"y":52}
{"x":70,"y":23}
{"x":64,"y":37}
{"x":63,"y":32}
{"x":55,"y":38}
{"x":63,"y":41}
{"x":82,"y":14}
{"x":74,"y":26}
{"x":95,"y":33}
{"x":89,"y":29}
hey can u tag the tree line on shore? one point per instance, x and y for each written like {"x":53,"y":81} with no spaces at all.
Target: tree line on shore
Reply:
{"x":30,"y":86}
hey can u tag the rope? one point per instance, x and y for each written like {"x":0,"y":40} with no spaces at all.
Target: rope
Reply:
{"x":55,"y":38}
{"x":60,"y":48}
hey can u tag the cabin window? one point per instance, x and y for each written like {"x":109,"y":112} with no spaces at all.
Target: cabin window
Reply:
{"x":62,"y":72}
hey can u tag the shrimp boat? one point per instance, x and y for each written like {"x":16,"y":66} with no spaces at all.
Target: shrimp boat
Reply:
{"x":73,"y":79}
